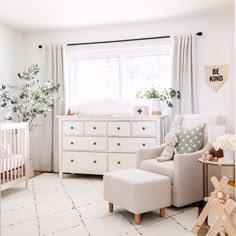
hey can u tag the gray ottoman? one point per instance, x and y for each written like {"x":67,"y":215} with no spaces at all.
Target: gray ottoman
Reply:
{"x":137,"y":191}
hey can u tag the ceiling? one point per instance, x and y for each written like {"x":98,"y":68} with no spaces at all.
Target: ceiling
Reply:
{"x":40,"y":15}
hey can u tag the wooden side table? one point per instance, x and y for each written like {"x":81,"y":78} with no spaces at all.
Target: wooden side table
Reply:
{"x":205,"y":165}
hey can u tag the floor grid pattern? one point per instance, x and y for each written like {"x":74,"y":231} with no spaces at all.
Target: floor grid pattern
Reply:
{"x":74,"y":206}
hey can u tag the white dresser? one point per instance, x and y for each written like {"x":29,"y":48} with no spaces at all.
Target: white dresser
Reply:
{"x":97,"y":144}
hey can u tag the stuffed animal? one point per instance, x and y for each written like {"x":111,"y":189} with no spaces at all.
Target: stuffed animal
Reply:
{"x":170,"y":150}
{"x":210,"y":154}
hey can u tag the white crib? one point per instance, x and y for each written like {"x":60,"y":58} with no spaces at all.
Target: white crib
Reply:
{"x":14,"y":154}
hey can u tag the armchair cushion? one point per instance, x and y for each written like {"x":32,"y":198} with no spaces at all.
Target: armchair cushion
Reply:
{"x":148,"y":153}
{"x":165,"y":168}
{"x":190,"y":139}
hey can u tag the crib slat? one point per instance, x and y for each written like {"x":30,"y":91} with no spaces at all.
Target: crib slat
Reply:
{"x":11,"y":155}
{"x":25,"y":154}
{"x":11,"y":141}
{"x":1,"y":157}
{"x":21,"y":154}
{"x":4,"y":156}
{"x":7,"y":156}
{"x":22,"y":151}
{"x":26,"y":147}
{"x":14,"y":153}
{"x":17,"y":153}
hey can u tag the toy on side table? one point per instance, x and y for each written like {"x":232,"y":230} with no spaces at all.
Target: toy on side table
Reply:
{"x":210,"y":154}
{"x":170,"y":150}
{"x":224,"y":207}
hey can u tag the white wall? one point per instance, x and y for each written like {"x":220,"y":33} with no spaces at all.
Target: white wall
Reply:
{"x":214,"y":47}
{"x":11,"y":45}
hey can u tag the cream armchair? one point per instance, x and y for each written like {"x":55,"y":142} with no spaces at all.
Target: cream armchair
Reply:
{"x":184,"y":171}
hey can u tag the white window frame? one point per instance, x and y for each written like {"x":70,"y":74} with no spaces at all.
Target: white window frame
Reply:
{"x":114,"y":50}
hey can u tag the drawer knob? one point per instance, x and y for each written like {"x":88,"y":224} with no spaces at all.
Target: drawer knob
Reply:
{"x":118,"y":144}
{"x":144,"y":144}
{"x":72,"y":160}
{"x":71,"y":142}
{"x":94,"y":161}
{"x":118,"y":162}
{"x":94,"y":127}
{"x":71,"y":127}
{"x":143,"y":128}
{"x":118,"y":128}
{"x":94,"y":143}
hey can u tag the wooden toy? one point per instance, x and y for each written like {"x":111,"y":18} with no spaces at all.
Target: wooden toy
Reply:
{"x":224,"y":207}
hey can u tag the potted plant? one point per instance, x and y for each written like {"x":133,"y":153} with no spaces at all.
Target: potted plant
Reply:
{"x":158,"y":96}
{"x":30,"y":98}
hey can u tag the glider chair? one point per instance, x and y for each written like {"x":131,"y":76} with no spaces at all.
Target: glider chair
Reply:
{"x":184,"y":171}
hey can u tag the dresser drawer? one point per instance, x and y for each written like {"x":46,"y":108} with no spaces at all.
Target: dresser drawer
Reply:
{"x":85,"y":162}
{"x":95,"y":128}
{"x":72,"y":127}
{"x":129,"y":144}
{"x":144,"y":128}
{"x":119,"y":128}
{"x":119,"y":161}
{"x":85,"y":143}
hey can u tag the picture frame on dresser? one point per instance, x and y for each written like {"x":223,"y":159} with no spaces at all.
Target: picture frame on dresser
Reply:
{"x":98,"y":144}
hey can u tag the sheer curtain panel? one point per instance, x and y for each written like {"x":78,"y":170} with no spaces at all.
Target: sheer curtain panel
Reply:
{"x":54,"y":70}
{"x":183,"y":73}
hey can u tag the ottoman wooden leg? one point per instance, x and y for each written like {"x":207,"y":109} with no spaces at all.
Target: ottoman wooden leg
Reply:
{"x":137,"y":219}
{"x":110,"y":207}
{"x":162,"y":212}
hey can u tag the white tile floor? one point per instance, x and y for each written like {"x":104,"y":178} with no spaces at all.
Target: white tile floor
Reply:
{"x":74,"y":206}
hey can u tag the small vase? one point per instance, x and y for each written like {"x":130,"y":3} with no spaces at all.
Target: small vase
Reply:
{"x":156,"y":106}
{"x":228,"y":155}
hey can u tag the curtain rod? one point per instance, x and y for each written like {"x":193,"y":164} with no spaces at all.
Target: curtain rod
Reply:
{"x":122,"y":40}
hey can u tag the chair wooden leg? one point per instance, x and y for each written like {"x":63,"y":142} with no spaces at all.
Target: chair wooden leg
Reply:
{"x":110,"y":207}
{"x":137,"y":219}
{"x":162,"y":212}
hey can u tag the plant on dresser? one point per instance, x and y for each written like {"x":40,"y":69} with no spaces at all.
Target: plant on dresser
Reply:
{"x":95,"y":145}
{"x":164,"y":94}
{"x":157,"y":96}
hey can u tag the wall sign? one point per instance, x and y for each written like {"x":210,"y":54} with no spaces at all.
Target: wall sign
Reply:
{"x":216,"y":76}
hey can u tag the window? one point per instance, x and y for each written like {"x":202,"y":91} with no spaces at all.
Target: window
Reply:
{"x":96,"y":79}
{"x":109,"y":75}
{"x":144,"y":71}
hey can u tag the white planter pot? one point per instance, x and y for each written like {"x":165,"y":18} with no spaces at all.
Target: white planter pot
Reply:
{"x":156,"y":106}
{"x":228,"y":155}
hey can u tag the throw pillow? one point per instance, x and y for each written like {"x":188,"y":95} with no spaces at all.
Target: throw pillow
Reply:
{"x":174,"y":127}
{"x":190,"y":139}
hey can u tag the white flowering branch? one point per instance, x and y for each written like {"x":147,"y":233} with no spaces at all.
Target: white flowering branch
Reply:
{"x":30,"y":98}
{"x":225,"y":142}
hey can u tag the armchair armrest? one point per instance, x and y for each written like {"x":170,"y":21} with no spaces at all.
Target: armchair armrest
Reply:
{"x":188,"y":178}
{"x":185,"y":164}
{"x":148,"y":153}
{"x":193,"y":155}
